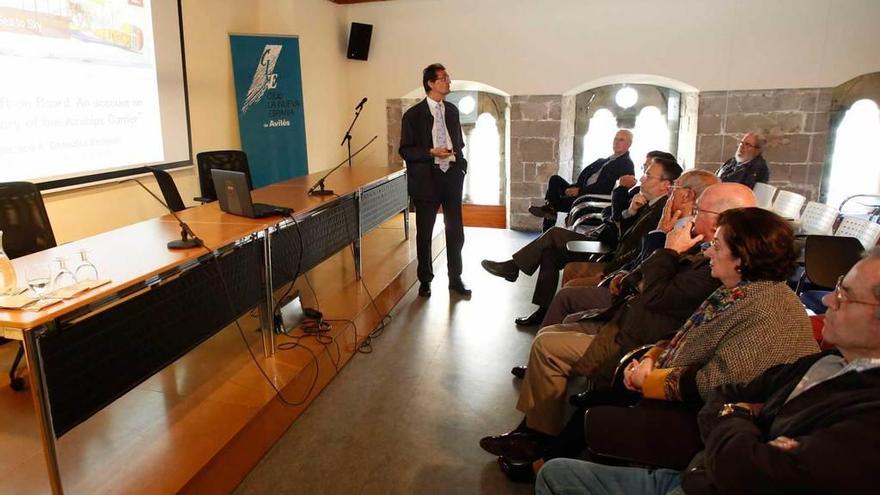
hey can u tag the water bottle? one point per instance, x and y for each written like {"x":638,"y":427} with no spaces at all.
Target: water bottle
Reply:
{"x":8,"y":280}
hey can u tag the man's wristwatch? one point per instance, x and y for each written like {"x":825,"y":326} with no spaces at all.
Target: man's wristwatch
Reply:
{"x":728,"y":409}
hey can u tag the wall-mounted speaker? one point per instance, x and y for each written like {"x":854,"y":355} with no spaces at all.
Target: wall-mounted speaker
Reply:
{"x":359,"y":41}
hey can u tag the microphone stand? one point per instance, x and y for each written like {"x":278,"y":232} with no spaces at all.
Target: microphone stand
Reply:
{"x":188,"y":239}
{"x":313,"y":191}
{"x":347,"y":138}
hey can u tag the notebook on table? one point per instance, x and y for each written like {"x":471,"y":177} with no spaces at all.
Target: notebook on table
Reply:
{"x":235,"y":196}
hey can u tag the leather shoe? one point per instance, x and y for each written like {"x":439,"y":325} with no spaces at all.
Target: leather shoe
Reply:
{"x":425,"y":289}
{"x":545,"y":211}
{"x":458,"y":287}
{"x":523,"y":446}
{"x":519,"y":371}
{"x":517,"y":471}
{"x":533,"y":319}
{"x":504,"y":269}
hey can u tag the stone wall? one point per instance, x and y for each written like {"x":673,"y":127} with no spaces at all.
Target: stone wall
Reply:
{"x":535,"y":130}
{"x":395,"y":110}
{"x":795,"y":122}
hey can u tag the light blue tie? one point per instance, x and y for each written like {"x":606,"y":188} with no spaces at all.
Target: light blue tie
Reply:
{"x":440,"y":132}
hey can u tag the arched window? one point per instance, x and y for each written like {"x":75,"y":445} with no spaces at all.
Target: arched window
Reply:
{"x":484,"y":159}
{"x":650,"y":111}
{"x":597,"y":140}
{"x":854,"y":163}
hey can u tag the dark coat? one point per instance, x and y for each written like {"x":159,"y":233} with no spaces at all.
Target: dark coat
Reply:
{"x":673,"y":287}
{"x":630,"y":244}
{"x":416,"y":143}
{"x":748,"y":174}
{"x":837,"y":424}
{"x":622,"y":165}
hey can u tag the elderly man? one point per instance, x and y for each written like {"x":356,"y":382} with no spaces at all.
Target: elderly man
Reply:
{"x":673,"y":282}
{"x":596,"y":178}
{"x":747,"y":166}
{"x":812,"y":426}
{"x":549,"y":254}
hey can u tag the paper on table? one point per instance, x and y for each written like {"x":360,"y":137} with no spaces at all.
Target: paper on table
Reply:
{"x":73,"y":290}
{"x":26,"y":302}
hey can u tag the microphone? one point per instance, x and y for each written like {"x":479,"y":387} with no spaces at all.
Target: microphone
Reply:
{"x":361,"y":104}
{"x":188,"y":239}
{"x":315,"y":191}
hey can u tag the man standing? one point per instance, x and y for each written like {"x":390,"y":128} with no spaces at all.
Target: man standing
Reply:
{"x":431,"y":144}
{"x":747,"y":166}
{"x":811,"y":426}
{"x":596,"y":178}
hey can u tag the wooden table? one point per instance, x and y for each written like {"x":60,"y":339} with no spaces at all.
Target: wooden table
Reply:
{"x":85,"y":352}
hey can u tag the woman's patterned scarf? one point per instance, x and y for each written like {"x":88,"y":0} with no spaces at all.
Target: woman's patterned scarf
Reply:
{"x":717,"y":303}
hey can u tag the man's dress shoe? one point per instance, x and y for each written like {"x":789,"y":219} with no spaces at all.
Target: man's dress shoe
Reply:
{"x":458,"y":287}
{"x":545,"y":211}
{"x":504,"y":269}
{"x":519,"y":371}
{"x":517,"y":471}
{"x":523,"y":446}
{"x":425,"y":289}
{"x":533,"y":319}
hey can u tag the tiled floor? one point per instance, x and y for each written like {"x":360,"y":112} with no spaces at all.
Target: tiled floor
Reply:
{"x":408,"y":417}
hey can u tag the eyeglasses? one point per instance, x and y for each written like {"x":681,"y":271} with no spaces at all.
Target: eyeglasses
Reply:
{"x":750,"y":145}
{"x":445,"y":78}
{"x":697,"y":210}
{"x":840,"y":298}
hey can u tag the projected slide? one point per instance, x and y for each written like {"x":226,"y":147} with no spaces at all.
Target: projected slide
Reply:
{"x":79,"y":91}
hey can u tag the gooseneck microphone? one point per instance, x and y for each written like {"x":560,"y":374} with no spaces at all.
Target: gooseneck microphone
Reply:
{"x":361,"y":104}
{"x":188,"y":239}
{"x":315,"y":191}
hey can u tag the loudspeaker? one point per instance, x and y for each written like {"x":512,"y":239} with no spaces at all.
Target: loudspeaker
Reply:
{"x":359,"y":41}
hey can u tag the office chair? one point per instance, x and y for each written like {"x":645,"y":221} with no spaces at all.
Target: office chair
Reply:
{"x":169,"y":190}
{"x":26,"y":229}
{"x":224,"y":160}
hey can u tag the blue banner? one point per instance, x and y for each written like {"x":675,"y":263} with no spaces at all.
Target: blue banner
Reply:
{"x":268,"y":89}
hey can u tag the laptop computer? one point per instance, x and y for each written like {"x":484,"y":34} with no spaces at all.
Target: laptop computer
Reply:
{"x":235,"y":196}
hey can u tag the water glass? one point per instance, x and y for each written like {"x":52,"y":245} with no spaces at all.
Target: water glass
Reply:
{"x":61,"y":275}
{"x":38,"y":279}
{"x":86,"y":270}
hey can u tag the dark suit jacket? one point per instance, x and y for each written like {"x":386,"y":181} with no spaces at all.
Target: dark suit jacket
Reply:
{"x":416,"y":143}
{"x":836,"y":422}
{"x":630,"y":244}
{"x":622,"y":165}
{"x":748,"y":174}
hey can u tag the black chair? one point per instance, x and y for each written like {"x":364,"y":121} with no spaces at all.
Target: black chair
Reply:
{"x":26,"y":229}
{"x":169,"y":190}
{"x":234,"y":160}
{"x":826,"y":258}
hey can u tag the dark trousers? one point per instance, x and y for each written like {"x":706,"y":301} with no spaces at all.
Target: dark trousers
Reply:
{"x":548,"y":255}
{"x":448,"y":189}
{"x":556,"y":198}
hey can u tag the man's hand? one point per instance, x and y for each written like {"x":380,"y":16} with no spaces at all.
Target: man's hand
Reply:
{"x":572,"y":192}
{"x":636,"y":372}
{"x":627,"y":181}
{"x":679,"y":239}
{"x":441,"y":152}
{"x":638,"y":201}
{"x":614,"y":285}
{"x":669,"y":217}
{"x":784,"y":443}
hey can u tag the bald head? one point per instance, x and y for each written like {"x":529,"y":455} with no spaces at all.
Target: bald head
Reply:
{"x":697,"y":180}
{"x":715,"y":200}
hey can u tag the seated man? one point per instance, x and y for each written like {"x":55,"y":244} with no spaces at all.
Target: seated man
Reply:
{"x":812,"y":426}
{"x":578,"y":297}
{"x":548,"y":252}
{"x":747,"y":166}
{"x":674,"y":281}
{"x":596,"y":178}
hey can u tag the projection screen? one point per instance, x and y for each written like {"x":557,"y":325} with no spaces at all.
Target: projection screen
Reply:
{"x":90,"y":90}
